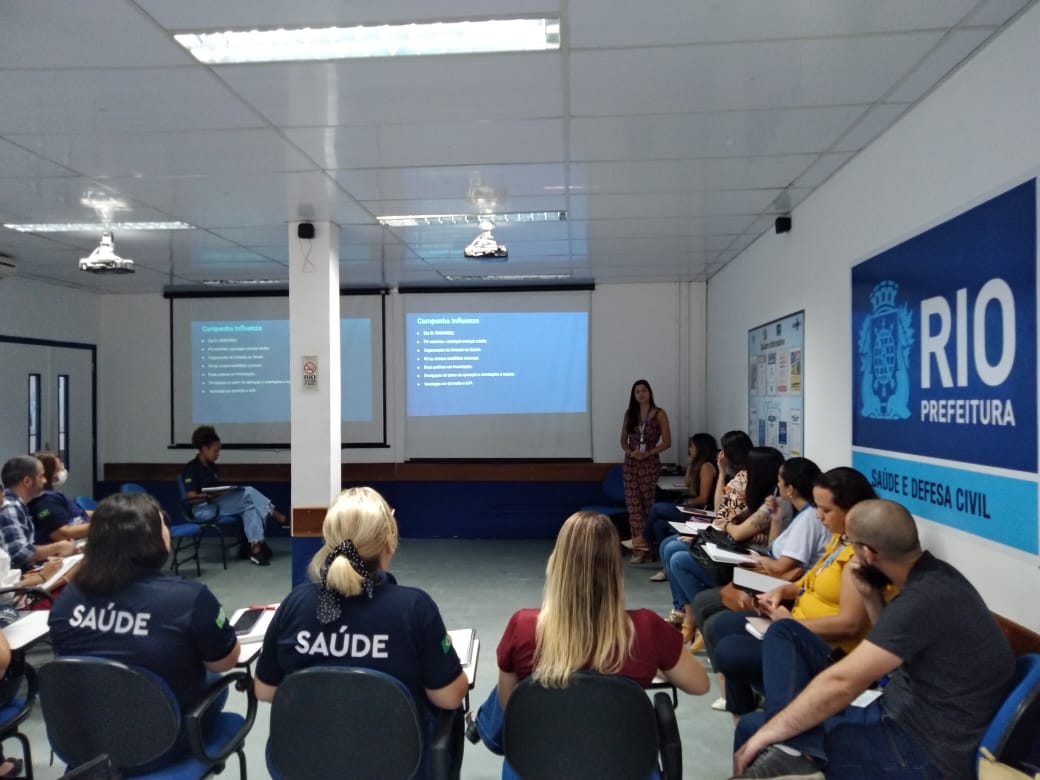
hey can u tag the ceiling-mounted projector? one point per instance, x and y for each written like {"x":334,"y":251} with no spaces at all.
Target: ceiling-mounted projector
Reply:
{"x":104,"y":259}
{"x":484,"y":247}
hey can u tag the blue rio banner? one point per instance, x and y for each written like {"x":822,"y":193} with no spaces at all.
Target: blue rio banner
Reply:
{"x":945,"y":351}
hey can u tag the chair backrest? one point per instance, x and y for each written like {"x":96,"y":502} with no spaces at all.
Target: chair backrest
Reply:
{"x":86,"y":503}
{"x":614,"y":484}
{"x":325,"y":720}
{"x":131,"y":487}
{"x":93,"y":706}
{"x":1013,"y":736}
{"x":598,"y":726}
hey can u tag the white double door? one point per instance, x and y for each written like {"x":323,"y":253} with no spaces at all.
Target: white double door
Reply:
{"x":37,"y":412}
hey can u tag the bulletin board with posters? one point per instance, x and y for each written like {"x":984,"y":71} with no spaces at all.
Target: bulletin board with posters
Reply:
{"x":776,"y":368}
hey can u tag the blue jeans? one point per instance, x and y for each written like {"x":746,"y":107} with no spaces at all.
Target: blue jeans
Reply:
{"x":737,"y":655}
{"x":671,"y":546}
{"x":249,"y":503}
{"x":657,"y":528}
{"x":686,"y":577}
{"x":856,"y":744}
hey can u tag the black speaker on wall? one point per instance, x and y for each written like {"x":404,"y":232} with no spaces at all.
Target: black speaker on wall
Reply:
{"x":783,"y":224}
{"x":305,"y":230}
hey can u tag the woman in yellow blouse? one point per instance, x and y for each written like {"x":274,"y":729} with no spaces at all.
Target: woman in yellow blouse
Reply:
{"x":825,"y":599}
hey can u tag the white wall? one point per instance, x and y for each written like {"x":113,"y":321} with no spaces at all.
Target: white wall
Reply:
{"x":31,"y":309}
{"x":971,"y":138}
{"x":653,"y":331}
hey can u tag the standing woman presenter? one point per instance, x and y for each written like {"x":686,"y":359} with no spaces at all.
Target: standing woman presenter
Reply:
{"x":644,"y":435}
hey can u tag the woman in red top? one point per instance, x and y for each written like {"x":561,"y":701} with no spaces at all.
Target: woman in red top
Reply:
{"x":583,"y":625}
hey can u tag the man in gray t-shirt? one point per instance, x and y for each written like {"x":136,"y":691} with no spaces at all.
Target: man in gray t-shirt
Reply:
{"x":949,"y":665}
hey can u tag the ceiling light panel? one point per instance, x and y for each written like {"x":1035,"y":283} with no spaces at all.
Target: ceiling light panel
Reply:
{"x":86,"y":227}
{"x":503,"y":218}
{"x":388,"y":40}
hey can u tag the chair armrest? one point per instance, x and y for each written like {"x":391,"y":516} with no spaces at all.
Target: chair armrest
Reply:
{"x":242,"y":681}
{"x":446,"y":745}
{"x":668,"y":738}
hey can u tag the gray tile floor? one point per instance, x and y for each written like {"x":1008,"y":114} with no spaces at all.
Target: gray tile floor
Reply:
{"x":477,"y":584}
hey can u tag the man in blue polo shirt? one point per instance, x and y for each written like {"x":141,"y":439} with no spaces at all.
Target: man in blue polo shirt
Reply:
{"x":948,"y":663}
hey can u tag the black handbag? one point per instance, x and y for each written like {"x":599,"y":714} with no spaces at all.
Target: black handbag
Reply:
{"x":722,"y":573}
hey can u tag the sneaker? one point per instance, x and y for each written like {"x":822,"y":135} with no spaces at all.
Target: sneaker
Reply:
{"x":661,"y":576}
{"x":267,"y":552}
{"x":471,"y":729}
{"x":259,"y":560}
{"x":776,"y":764}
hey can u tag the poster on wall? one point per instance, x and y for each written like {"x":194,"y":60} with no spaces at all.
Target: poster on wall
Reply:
{"x":775,"y":366}
{"x":944,"y":356}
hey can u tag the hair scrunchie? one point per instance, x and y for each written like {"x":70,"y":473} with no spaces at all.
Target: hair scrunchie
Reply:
{"x":328,"y":601}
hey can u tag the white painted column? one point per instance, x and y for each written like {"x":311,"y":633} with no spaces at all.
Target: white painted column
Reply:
{"x":315,"y":371}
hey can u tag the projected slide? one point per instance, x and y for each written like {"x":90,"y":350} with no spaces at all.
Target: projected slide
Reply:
{"x":240,"y":371}
{"x":496,"y":363}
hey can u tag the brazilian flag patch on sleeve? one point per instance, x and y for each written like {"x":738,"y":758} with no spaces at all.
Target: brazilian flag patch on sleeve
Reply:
{"x":221,"y":618}
{"x":446,"y":643}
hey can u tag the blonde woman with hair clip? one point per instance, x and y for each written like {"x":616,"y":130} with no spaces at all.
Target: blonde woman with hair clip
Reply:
{"x":352,"y":612}
{"x":583,"y":625}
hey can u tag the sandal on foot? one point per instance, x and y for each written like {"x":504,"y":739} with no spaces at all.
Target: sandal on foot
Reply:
{"x":13,"y":767}
{"x":661,"y":576}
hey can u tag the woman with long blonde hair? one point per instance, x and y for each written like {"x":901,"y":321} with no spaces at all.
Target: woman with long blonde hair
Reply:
{"x":351,"y":612}
{"x":583,"y":625}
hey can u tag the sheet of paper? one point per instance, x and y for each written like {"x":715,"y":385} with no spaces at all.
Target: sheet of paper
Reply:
{"x":757,"y":626}
{"x":697,"y":512}
{"x":462,"y":641}
{"x":761,"y":583}
{"x":689,"y":528}
{"x":66,"y":563}
{"x":719,"y":555}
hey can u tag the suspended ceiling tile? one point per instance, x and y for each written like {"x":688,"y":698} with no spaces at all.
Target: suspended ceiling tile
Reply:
{"x":118,"y":154}
{"x":686,"y":175}
{"x":953,"y":50}
{"x":725,"y":134}
{"x":873,"y":123}
{"x":729,"y":77}
{"x":417,"y":145}
{"x":402,"y":90}
{"x":118,"y":101}
{"x":617,"y":23}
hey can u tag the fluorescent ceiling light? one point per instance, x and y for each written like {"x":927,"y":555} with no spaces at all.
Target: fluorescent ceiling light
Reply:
{"x":506,"y":277}
{"x":503,"y":218}
{"x":388,"y":40}
{"x":241,"y":282}
{"x":94,"y":227}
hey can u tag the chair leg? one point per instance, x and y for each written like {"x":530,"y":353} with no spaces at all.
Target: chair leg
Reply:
{"x":241,"y":764}
{"x":26,"y":754}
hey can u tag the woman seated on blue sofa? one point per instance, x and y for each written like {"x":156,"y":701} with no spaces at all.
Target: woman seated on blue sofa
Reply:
{"x":583,"y":625}
{"x":348,"y":587}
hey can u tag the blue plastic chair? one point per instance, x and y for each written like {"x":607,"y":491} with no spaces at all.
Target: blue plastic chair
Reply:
{"x":185,"y":539}
{"x":227,"y":528}
{"x":1013,"y":736}
{"x":131,"y":487}
{"x":14,"y":713}
{"x":86,"y":503}
{"x":94,"y":706}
